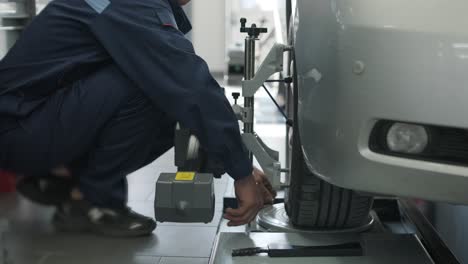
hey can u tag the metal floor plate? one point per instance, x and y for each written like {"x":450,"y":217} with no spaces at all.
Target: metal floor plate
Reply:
{"x":378,"y":248}
{"x":275,"y":219}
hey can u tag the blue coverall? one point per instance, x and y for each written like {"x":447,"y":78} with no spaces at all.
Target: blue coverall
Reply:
{"x":98,"y":85}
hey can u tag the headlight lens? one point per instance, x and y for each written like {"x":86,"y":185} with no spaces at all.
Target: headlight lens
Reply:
{"x":407,"y":138}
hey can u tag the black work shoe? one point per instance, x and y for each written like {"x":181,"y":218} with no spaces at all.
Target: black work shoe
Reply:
{"x":47,"y":190}
{"x":79,"y":216}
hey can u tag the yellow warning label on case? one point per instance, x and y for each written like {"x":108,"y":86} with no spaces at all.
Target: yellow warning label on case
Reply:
{"x":185,"y":176}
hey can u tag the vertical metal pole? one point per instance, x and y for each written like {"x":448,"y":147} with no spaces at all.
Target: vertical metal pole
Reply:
{"x":288,"y":15}
{"x":249,"y":73}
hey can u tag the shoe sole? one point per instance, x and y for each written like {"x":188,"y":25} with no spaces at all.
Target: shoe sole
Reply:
{"x":65,"y":224}
{"x":68,"y":224}
{"x":122,"y":233}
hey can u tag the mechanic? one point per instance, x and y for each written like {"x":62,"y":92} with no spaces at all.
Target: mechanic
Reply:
{"x":92,"y":91}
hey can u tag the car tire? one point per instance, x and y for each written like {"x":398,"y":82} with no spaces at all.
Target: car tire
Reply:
{"x":311,"y":202}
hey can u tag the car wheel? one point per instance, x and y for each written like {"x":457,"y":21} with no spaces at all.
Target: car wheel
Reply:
{"x":310,"y":201}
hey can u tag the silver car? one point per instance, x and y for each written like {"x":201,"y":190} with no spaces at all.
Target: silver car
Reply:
{"x":379,"y":100}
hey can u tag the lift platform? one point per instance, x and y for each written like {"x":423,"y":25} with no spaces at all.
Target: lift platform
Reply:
{"x":397,"y":232}
{"x":377,"y":248}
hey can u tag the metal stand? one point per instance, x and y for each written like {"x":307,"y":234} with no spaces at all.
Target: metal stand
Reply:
{"x":249,"y":73}
{"x":253,"y":81}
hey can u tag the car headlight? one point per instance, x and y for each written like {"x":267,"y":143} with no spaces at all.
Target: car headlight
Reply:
{"x":407,"y":138}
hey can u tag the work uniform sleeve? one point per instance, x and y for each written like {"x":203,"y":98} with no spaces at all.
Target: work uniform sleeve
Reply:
{"x":159,"y":59}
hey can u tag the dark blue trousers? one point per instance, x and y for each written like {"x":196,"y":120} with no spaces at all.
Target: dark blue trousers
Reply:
{"x":101,"y":126}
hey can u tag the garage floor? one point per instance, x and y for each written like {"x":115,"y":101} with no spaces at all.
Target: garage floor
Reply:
{"x":28,"y":238}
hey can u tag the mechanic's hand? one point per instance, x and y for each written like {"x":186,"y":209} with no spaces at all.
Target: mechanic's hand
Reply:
{"x":269,"y":194}
{"x":250,"y":201}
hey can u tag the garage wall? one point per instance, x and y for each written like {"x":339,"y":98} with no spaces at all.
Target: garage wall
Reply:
{"x":209,"y":32}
